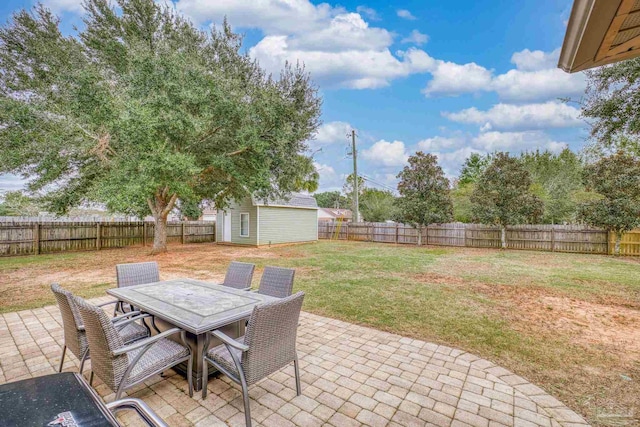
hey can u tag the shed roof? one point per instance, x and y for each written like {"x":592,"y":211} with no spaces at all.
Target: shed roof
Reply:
{"x":338,"y":213}
{"x":294,"y":200}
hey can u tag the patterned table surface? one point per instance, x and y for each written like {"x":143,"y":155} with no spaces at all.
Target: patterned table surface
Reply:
{"x":193,"y":305}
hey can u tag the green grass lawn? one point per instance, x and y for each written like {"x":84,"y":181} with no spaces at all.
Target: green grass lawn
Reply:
{"x":568,"y":322}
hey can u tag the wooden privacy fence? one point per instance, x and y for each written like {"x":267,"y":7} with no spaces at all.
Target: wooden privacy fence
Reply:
{"x":542,"y":237}
{"x":33,"y":238}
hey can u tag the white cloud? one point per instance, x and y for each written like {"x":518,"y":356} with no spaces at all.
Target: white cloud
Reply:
{"x":386,"y":153}
{"x":551,"y":114}
{"x":329,"y":178}
{"x":73,"y":6}
{"x":453,"y":151}
{"x":356,"y":69}
{"x":517,"y":85}
{"x":516,"y":141}
{"x":439,"y":143}
{"x":405,"y":14}
{"x":416,"y":37}
{"x":527,"y":60}
{"x":535,"y":78}
{"x":344,"y":32}
{"x":370,"y":13}
{"x":450,"y":78}
{"x":271,"y":16}
{"x":332,"y":132}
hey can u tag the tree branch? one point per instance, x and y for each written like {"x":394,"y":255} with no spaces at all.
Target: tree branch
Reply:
{"x":235,"y":153}
{"x":170,"y":204}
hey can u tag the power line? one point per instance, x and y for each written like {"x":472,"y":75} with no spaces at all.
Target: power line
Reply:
{"x":386,"y":187}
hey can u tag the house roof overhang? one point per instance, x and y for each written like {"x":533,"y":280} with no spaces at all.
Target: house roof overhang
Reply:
{"x":600,"y":32}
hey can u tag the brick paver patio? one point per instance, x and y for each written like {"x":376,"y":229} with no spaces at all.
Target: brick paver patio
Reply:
{"x":351,"y":376}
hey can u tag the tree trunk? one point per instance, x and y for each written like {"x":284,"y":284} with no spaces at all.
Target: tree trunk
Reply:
{"x":160,"y":206}
{"x":160,"y":235}
{"x":616,"y":248}
{"x":503,"y":237}
{"x":420,"y":235}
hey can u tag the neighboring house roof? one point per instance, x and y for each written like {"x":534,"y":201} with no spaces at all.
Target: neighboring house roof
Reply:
{"x":338,"y":213}
{"x":294,"y":200}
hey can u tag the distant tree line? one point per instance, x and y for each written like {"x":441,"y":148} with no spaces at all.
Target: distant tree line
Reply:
{"x":501,"y":189}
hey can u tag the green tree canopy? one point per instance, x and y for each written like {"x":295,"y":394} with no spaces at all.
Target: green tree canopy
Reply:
{"x":332,"y":199}
{"x":142,"y":109}
{"x":461,"y":199}
{"x":557,"y":180}
{"x":190,"y":209}
{"x":503,"y":196}
{"x":16,"y":203}
{"x":611,"y":102}
{"x":377,"y":205}
{"x":616,"y":179}
{"x":424,"y":192}
{"x":473,"y":167}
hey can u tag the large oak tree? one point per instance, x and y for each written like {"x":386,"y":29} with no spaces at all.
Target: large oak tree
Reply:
{"x":141,"y":109}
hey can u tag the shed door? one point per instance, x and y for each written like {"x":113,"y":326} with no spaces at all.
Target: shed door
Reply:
{"x":226,"y":226}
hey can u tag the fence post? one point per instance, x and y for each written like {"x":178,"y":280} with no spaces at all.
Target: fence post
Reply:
{"x":465,"y":235}
{"x":36,"y":238}
{"x":144,"y":233}
{"x":397,"y":230}
{"x":553,"y":239}
{"x":183,"y":232}
{"x":346,"y":231}
{"x":371,"y":237}
{"x":98,"y":231}
{"x":427,"y":228}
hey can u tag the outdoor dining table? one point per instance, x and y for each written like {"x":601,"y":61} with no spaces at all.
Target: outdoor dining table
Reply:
{"x":195,"y":306}
{"x":64,"y":399}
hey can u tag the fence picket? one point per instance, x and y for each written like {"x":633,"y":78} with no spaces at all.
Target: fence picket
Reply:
{"x":574,"y":238}
{"x":29,"y":237}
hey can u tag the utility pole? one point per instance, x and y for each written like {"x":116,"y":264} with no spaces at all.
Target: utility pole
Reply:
{"x":354,"y":152}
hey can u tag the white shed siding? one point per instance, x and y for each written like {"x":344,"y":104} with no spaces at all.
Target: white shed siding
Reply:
{"x":287,"y":225}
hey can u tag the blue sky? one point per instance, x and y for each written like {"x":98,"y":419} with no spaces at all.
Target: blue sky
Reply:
{"x":450,"y":78}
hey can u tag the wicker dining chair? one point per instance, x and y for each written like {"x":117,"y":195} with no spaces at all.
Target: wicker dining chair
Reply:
{"x":122,"y":366}
{"x":75,"y":336}
{"x":239,"y":275}
{"x":137,"y":273}
{"x":269,"y":344}
{"x":277,"y":282}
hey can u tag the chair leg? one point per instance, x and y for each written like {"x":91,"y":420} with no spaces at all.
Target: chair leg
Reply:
{"x":297,"y":369}
{"x":205,"y":377}
{"x":190,"y":375}
{"x":91,"y":379}
{"x":85,"y":355}
{"x":64,"y":351}
{"x":245,"y":398}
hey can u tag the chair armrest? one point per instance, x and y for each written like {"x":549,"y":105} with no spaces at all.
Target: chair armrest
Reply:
{"x":229,"y":341}
{"x":143,"y":410}
{"x":146,"y":342}
{"x":124,"y":316}
{"x":104,"y":304}
{"x":125,"y":322}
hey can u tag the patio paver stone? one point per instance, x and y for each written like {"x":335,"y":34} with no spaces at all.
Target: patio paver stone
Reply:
{"x":351,"y":376}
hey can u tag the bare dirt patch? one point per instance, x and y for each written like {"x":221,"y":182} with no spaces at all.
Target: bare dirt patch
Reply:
{"x":532,"y":309}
